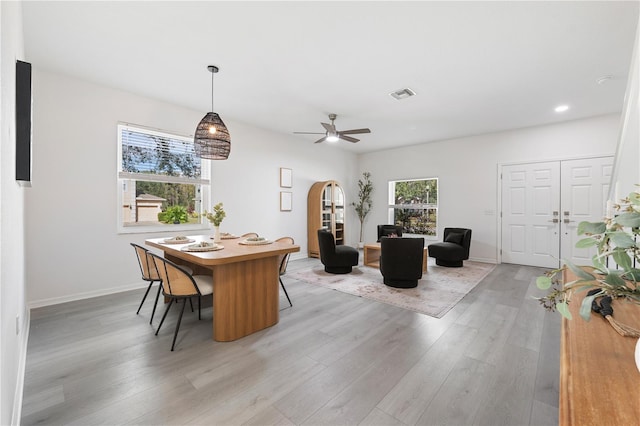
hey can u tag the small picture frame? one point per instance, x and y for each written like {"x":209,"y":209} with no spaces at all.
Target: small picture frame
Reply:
{"x":286,"y":177}
{"x":285,"y":201}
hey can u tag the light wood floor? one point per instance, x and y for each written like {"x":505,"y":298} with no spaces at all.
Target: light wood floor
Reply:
{"x":333,"y":359}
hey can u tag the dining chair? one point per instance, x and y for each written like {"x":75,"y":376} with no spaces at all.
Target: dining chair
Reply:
{"x":149,"y":273}
{"x":179,"y":284}
{"x":283,"y":259}
{"x":250,"y":235}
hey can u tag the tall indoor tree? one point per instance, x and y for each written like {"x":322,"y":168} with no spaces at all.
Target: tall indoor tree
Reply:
{"x":364,"y":203}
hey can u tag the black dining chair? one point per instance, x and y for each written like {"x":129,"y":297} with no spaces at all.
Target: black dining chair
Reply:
{"x":283,"y":260}
{"x":178,"y":284}
{"x":149,"y":274}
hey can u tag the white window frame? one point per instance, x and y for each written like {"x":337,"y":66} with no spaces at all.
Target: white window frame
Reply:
{"x":392,"y":206}
{"x":123,"y":177}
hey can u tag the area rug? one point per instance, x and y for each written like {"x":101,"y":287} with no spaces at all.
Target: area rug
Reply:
{"x":437,"y":292}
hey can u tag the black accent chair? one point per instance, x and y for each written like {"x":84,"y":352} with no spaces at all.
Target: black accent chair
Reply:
{"x":336,"y":259}
{"x":401,"y":261}
{"x":454,"y":249}
{"x":389,"y":230}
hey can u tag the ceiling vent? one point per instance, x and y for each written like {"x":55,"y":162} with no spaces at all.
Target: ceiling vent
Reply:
{"x":402,"y":94}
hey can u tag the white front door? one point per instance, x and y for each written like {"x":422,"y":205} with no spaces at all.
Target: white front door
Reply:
{"x":542,"y":204}
{"x":531,"y":214}
{"x":585,"y":189}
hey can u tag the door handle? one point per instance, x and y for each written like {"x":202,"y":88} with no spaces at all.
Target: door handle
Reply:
{"x":554,"y":220}
{"x":566,"y":220}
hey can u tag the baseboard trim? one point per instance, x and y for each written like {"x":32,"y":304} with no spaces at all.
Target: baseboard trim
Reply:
{"x":16,"y":415}
{"x":86,"y":295}
{"x":483,"y":260}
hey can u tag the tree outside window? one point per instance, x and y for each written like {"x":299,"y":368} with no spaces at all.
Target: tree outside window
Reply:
{"x":161,"y":180}
{"x":413,"y":204}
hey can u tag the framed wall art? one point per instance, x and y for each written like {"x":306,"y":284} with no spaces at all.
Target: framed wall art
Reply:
{"x":285,"y":201}
{"x":286,"y":177}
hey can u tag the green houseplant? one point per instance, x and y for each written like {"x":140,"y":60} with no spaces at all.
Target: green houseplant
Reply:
{"x":216,"y":218}
{"x":617,"y":238}
{"x":364,"y":203}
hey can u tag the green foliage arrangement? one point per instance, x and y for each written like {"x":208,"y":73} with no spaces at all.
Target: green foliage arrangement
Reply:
{"x":616,"y":238}
{"x":217,"y":215}
{"x":364,"y":203}
{"x":175,"y":214}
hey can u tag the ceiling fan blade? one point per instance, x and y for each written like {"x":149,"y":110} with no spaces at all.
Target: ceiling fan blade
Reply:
{"x":354,"y":131}
{"x":308,"y":133}
{"x":320,"y":140}
{"x":349,"y":138}
{"x":329,"y":127}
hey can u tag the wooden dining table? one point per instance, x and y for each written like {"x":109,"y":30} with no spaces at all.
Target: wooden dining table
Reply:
{"x":245,"y":281}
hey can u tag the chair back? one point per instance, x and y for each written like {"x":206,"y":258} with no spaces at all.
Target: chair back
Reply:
{"x":326,"y":243}
{"x":401,"y":258}
{"x":283,"y":259}
{"x":460,"y":236}
{"x":147,"y":267}
{"x":175,"y":280}
{"x":389,"y":230}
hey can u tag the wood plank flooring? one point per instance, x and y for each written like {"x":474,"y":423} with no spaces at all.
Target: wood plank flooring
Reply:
{"x":333,"y":359}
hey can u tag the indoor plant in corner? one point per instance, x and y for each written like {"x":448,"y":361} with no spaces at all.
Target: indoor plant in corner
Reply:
{"x":363,"y":205}
{"x":216,"y":219}
{"x":617,"y":240}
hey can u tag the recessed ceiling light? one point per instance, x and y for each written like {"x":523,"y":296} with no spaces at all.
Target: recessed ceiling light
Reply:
{"x":561,"y":108}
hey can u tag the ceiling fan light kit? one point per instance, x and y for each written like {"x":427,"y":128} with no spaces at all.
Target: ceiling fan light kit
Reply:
{"x":333,"y":135}
{"x":212,"y":139}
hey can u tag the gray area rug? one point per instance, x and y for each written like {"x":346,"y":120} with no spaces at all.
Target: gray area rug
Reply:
{"x":437,"y":292}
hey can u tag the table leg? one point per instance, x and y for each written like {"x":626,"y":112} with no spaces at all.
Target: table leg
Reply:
{"x":245,"y":298}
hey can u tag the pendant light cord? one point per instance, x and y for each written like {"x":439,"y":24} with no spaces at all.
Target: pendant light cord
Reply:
{"x":212,"y":73}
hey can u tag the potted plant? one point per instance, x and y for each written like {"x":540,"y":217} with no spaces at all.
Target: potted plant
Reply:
{"x":615,"y":238}
{"x":216,"y":219}
{"x":364,"y":203}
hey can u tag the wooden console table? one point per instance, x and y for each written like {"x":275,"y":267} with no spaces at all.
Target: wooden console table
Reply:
{"x":372,"y":256}
{"x":599,"y":381}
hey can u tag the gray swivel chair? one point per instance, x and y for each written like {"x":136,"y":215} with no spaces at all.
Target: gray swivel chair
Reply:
{"x":389,"y":230}
{"x":401,"y":261}
{"x":336,"y":259}
{"x":454,"y":249}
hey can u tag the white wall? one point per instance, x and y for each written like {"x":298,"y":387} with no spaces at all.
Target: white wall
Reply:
{"x":627,"y":170}
{"x":73,"y":249}
{"x":12,"y":279}
{"x":467,"y":171}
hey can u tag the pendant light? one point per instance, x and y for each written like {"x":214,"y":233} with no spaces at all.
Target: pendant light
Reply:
{"x":212,"y":140}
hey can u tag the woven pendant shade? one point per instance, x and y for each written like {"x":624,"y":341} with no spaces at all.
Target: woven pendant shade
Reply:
{"x":212,"y":146}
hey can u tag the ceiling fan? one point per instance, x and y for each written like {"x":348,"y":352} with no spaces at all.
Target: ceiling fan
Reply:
{"x":333,"y":135}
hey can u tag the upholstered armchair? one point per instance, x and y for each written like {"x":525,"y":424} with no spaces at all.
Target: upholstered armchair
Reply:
{"x":401,"y":261}
{"x":389,"y":230}
{"x":336,"y":259}
{"x":454,"y":249}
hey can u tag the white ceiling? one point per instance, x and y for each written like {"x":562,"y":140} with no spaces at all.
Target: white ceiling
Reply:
{"x":477,"y":67}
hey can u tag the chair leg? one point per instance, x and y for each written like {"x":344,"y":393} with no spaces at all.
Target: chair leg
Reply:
{"x":166,"y":311}
{"x":285,"y":292}
{"x":175,"y":335}
{"x":156,"y":304}
{"x":199,"y":310}
{"x":191,"y":303}
{"x":144,"y":298}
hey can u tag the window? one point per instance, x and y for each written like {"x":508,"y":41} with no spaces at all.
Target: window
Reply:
{"x":413,"y":204}
{"x":161,"y":182}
